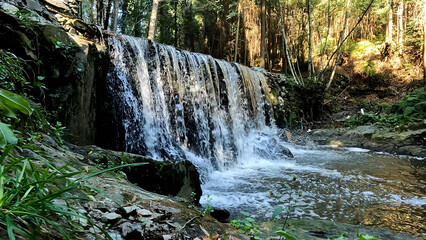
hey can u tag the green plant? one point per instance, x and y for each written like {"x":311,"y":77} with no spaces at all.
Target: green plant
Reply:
{"x":58,"y":131}
{"x":288,"y":210}
{"x":359,"y":236}
{"x":208,"y":208}
{"x":246,"y":226}
{"x":29,"y":194}
{"x":10,"y":103}
{"x":410,"y":109}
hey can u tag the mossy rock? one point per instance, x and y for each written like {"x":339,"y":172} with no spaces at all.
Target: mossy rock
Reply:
{"x":51,"y":32}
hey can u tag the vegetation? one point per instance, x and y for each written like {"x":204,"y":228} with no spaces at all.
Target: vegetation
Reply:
{"x":411,"y":109}
{"x":256,"y":33}
{"x":247,"y":226}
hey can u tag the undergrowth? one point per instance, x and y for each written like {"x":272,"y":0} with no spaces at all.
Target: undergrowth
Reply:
{"x":411,"y":109}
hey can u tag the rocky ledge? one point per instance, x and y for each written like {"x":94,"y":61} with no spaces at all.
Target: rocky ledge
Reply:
{"x":402,"y":140}
{"x":111,"y":204}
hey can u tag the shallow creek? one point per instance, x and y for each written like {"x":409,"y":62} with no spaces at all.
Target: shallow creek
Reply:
{"x":346,"y":185}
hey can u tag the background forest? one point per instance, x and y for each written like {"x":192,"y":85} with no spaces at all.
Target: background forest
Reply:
{"x":368,"y":51}
{"x":319,"y":34}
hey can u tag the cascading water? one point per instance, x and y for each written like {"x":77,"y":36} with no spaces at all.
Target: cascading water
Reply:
{"x":175,"y":104}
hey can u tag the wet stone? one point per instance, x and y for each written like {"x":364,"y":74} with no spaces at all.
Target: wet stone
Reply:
{"x":144,"y":213}
{"x":131,"y":230}
{"x":111,"y":218}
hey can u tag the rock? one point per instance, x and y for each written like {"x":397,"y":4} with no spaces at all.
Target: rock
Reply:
{"x":9,"y":8}
{"x":144,"y":213}
{"x":111,"y":218}
{"x":272,"y":149}
{"x":131,"y":231}
{"x":51,"y":32}
{"x":221,"y":215}
{"x":131,"y":210}
{"x":34,"y":5}
{"x":167,"y":237}
{"x":58,"y":4}
{"x":115,"y":235}
{"x":49,"y":141}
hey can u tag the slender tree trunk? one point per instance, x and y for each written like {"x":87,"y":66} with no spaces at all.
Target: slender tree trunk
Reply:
{"x":389,"y":26}
{"x":262,"y":34}
{"x":237,"y":32}
{"x":115,"y":22}
{"x":424,"y":45}
{"x":400,"y":27}
{"x":107,"y":14}
{"x":99,"y":12}
{"x":286,"y":50}
{"x":153,"y":19}
{"x":342,"y":38}
{"x":269,"y":57}
{"x":176,"y":24}
{"x":310,"y":60}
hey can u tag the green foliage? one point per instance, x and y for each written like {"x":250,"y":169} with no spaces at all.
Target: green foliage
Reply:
{"x":410,"y":109}
{"x":285,"y":234}
{"x":359,"y":236}
{"x":10,"y":103}
{"x":370,"y":70}
{"x":246,"y":226}
{"x":30,"y":194}
{"x":26,"y":199}
{"x":14,"y":76}
{"x":208,"y":208}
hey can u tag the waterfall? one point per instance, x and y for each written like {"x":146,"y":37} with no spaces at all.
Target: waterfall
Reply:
{"x":171,"y":104}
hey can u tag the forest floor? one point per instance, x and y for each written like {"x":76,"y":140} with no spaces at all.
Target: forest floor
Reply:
{"x":358,"y":106}
{"x":365,"y":79}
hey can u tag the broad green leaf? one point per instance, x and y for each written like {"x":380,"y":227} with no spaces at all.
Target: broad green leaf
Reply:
{"x":14,"y":101}
{"x":285,"y":234}
{"x":6,"y":111}
{"x":277,"y":211}
{"x":6,"y":135}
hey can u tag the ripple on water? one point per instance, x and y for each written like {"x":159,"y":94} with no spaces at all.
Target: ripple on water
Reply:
{"x":351,"y":186}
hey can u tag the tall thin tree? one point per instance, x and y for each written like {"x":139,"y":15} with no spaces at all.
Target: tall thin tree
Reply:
{"x":153,"y":19}
{"x":310,"y":60}
{"x":263,"y":34}
{"x":115,"y":22}
{"x":237,"y":32}
{"x":342,"y":39}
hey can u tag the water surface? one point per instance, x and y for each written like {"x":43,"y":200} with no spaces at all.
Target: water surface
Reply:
{"x":344,"y":185}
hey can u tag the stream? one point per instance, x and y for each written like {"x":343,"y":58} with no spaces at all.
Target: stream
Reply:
{"x":347,"y":185}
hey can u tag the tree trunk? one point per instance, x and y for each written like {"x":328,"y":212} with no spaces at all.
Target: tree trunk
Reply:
{"x":99,"y":12}
{"x":342,"y":38}
{"x":269,"y":57}
{"x":284,"y":53}
{"x":400,"y":27}
{"x":107,"y":14}
{"x":424,"y":47}
{"x":153,"y":19}
{"x":237,"y":34}
{"x":310,"y":60}
{"x":115,"y":23}
{"x":389,"y":26}
{"x":286,"y":50}
{"x":176,"y":24}
{"x":262,"y":35}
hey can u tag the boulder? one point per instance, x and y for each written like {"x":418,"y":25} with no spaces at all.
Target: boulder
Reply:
{"x":179,"y":179}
